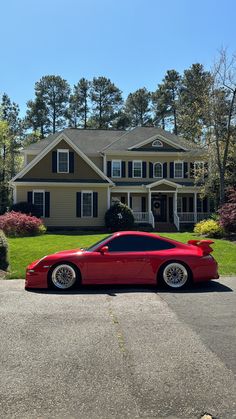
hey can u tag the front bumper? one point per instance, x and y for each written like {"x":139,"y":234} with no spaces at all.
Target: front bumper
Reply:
{"x":36,"y":276}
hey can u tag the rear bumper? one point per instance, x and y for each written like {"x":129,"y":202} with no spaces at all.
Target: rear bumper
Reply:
{"x":206,"y":270}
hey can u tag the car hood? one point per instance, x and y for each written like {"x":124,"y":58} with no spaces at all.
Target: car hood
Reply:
{"x":68,"y":252}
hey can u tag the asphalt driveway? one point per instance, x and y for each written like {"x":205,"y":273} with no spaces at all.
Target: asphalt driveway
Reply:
{"x":118,"y":352}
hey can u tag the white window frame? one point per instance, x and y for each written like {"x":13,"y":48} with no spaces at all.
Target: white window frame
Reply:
{"x":157,"y":143}
{"x":82,"y":201}
{"x":65,"y":151}
{"x":158,"y":177}
{"x":115,"y":161}
{"x":137,"y":177}
{"x":43,"y":192}
{"x":203,"y":167}
{"x":182,"y":174}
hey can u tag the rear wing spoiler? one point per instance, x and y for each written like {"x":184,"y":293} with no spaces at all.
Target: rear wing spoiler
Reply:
{"x":204,"y":245}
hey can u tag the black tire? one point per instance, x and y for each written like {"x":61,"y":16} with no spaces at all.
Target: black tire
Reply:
{"x":175,"y":275}
{"x":64,"y":276}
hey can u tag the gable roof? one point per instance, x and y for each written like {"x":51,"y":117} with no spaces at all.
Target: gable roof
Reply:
{"x":89,"y":141}
{"x":140,"y":136}
{"x":50,"y":146}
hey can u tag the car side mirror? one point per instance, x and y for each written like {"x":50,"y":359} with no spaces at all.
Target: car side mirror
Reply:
{"x":104,"y":249}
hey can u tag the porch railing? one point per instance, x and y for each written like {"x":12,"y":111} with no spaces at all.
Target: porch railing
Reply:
{"x":176,"y":220}
{"x":191,"y":217}
{"x":144,"y":217}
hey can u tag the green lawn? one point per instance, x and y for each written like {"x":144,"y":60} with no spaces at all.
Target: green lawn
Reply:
{"x":25,"y":250}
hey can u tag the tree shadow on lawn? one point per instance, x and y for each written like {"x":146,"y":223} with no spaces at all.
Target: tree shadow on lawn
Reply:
{"x":113,"y":290}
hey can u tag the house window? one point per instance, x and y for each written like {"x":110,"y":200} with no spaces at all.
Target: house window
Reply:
{"x":199,"y":169}
{"x":137,"y":169}
{"x":158,"y":170}
{"x":87,"y":204}
{"x":157,"y":143}
{"x":62,"y":161}
{"x":38,"y":201}
{"x":116,"y":168}
{"x":178,"y":173}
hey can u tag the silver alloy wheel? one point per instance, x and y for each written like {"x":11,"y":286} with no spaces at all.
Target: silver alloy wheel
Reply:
{"x":63,"y":276}
{"x":175,"y":275}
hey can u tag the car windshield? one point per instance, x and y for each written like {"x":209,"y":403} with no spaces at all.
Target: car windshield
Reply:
{"x":100,"y":242}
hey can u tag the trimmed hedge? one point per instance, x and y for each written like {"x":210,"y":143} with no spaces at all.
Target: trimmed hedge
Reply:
{"x":26,"y":208}
{"x":209,"y":228}
{"x":3,"y":252}
{"x":119,"y":217}
{"x":16,"y":224}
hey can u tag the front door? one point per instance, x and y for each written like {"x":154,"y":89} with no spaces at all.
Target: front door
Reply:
{"x":159,"y":207}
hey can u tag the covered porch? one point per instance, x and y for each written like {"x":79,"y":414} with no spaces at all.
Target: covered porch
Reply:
{"x":164,"y":202}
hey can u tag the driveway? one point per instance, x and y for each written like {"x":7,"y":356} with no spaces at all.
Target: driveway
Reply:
{"x":118,"y":352}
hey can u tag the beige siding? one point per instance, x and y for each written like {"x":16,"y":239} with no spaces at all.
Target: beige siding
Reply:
{"x":63,"y":205}
{"x":98,"y":160}
{"x":43,"y":169}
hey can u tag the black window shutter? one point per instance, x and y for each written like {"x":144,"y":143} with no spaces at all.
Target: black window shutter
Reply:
{"x":130,"y":168}
{"x":30,"y":197}
{"x":164,"y":170}
{"x":191,"y":169}
{"x":150,"y":170}
{"x":123,"y":171}
{"x":122,"y":199}
{"x":171,"y":169}
{"x":190,"y":204}
{"x":71,"y":162}
{"x":78,"y":204}
{"x":143,"y":203}
{"x":47,"y":205}
{"x":54,"y":162}
{"x":184,"y":204}
{"x":205,"y":205}
{"x":130,"y":202}
{"x":109,"y":168}
{"x":95,"y":204}
{"x":185,"y":169}
{"x":144,"y":164}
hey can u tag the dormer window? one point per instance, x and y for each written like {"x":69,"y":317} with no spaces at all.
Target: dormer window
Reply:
{"x":63,"y":161}
{"x":157,"y":143}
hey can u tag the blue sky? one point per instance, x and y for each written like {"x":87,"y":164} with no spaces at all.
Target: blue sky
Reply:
{"x":132,"y":42}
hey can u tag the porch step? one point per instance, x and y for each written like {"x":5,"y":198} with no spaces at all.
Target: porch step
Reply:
{"x":163,"y":227}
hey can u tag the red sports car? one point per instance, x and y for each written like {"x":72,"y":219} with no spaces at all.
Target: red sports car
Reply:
{"x":126,"y":257}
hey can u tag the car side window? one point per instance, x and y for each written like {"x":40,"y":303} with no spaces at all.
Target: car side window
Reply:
{"x":135,"y":243}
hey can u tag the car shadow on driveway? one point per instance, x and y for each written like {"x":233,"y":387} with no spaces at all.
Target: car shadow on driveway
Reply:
{"x":113,"y":290}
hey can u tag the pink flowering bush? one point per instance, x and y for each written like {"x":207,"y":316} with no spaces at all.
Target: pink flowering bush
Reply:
{"x":228,"y":213}
{"x":16,"y":224}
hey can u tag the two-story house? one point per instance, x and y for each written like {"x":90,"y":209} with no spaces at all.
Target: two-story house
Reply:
{"x":75,"y":175}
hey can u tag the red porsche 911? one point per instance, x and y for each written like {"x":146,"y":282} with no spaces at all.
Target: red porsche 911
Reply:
{"x":126,"y":257}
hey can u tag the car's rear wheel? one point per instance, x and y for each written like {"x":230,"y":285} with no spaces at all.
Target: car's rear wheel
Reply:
{"x":63,"y":276}
{"x":175,"y":275}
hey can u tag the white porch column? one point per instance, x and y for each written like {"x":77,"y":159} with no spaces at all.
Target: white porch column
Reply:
{"x":195,"y":207}
{"x":108,"y":198}
{"x":149,"y":201}
{"x":175,"y":202}
{"x":128,"y":199}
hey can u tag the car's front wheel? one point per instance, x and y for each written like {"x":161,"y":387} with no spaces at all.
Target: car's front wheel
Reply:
{"x":63,"y":276}
{"x":175,"y":275}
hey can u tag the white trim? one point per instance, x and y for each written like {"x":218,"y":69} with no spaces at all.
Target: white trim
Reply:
{"x":108,"y":198}
{"x":104,"y":163}
{"x":137,"y":161}
{"x":115,"y":161}
{"x":154,"y":164}
{"x":156,"y":137}
{"x":178,"y":162}
{"x":165,"y":182}
{"x":61,"y":184}
{"x":157,"y":143}
{"x":65,"y":151}
{"x":14,"y":194}
{"x":82,"y":200}
{"x":53,"y":144}
{"x":43,"y":192}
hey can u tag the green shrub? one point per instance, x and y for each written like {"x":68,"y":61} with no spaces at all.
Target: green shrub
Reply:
{"x":209,"y":228}
{"x":119,"y":217}
{"x":3,"y":252}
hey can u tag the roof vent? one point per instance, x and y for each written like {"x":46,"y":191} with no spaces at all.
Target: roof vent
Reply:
{"x":157,"y":143}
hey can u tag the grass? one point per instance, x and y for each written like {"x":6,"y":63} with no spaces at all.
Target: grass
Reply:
{"x":27,"y":249}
